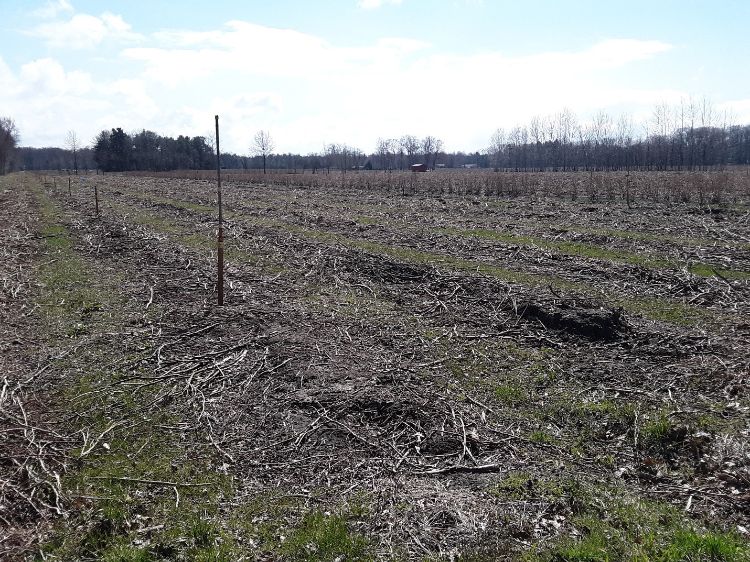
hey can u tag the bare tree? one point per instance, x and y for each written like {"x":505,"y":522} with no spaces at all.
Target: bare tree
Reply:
{"x":410,"y":145}
{"x":515,"y":147}
{"x":342,"y":156}
{"x":566,"y":123}
{"x":262,"y":146}
{"x":71,"y":141}
{"x":497,"y":147}
{"x":385,"y":152}
{"x":430,"y":147}
{"x":8,"y":141}
{"x":536,"y":131}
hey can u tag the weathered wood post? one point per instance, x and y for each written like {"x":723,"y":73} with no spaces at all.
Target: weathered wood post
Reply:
{"x":220,"y":241}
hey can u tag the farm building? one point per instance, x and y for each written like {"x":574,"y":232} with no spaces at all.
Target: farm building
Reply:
{"x":418,"y":167}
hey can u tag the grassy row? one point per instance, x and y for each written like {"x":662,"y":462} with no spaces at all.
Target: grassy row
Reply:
{"x":580,"y":249}
{"x":570,"y":248}
{"x":673,"y":312}
{"x":139,"y":490}
{"x":633,"y":529}
{"x":599,"y":521}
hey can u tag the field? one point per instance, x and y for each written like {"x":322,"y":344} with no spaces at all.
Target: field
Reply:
{"x":499,"y":366}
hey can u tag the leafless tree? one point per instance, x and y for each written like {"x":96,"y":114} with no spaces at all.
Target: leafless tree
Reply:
{"x":536,"y":131}
{"x":385,"y":152}
{"x":497,"y":147}
{"x":663,"y":124}
{"x":71,"y":141}
{"x":409,"y":145}
{"x":262,"y":146}
{"x":8,"y":140}
{"x":566,"y":123}
{"x":624,"y":133}
{"x":430,"y":148}
{"x":343,"y":156}
{"x":515,"y":147}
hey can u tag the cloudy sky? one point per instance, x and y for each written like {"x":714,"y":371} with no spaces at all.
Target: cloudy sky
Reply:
{"x":315,"y":72}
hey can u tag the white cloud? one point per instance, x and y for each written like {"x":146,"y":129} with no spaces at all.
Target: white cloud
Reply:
{"x":244,"y":48}
{"x":84,"y":31}
{"x":46,"y":100}
{"x":375,"y":4}
{"x":52,"y":8}
{"x":46,"y":77}
{"x":308,"y":91}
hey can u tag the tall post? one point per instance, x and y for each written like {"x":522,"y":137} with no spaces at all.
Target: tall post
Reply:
{"x":220,"y":242}
{"x":96,"y":199}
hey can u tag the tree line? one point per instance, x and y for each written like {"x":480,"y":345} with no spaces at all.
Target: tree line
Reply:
{"x":689,"y":136}
{"x":685,"y":137}
{"x":117,"y":151}
{"x":554,"y":143}
{"x":8,"y":140}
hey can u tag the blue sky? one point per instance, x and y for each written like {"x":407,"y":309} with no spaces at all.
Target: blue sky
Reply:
{"x":354,"y":70}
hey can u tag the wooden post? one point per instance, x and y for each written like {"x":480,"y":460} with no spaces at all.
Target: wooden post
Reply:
{"x":70,"y":193}
{"x":96,"y":199}
{"x":220,"y":241}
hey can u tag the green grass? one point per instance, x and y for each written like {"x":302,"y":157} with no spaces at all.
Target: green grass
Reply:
{"x":654,"y":308}
{"x":68,"y":299}
{"x":586,"y":424}
{"x":657,"y":431}
{"x":706,"y":270}
{"x":584,"y":250}
{"x":511,"y":394}
{"x":522,"y":485}
{"x":613,"y":526}
{"x":604,"y":543}
{"x":605,"y":523}
{"x":663,"y":310}
{"x":647,"y":236}
{"x":690,"y":546}
{"x":598,"y":415}
{"x":322,"y":537}
{"x":194,"y":240}
{"x":118,"y":479}
{"x":541,"y":437}
{"x":365,"y":220}
{"x":565,"y":247}
{"x":138,"y":445}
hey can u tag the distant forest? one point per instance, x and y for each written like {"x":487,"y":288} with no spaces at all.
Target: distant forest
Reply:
{"x":553,"y":143}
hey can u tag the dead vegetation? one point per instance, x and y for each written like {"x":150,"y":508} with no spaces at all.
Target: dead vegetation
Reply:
{"x":392,"y":378}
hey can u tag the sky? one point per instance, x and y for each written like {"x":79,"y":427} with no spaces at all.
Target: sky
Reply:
{"x":350,"y":71}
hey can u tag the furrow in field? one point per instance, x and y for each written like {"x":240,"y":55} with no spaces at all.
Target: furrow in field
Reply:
{"x":655,"y":307}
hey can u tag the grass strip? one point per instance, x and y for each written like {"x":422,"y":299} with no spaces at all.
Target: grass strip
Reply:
{"x":654,"y":308}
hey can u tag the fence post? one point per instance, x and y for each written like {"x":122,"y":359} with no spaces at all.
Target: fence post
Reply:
{"x":220,"y":241}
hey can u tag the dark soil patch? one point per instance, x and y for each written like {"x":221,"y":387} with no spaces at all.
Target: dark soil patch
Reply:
{"x":598,"y":324}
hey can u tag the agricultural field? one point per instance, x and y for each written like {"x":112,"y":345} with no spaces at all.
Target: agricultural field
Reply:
{"x":450,"y":366}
